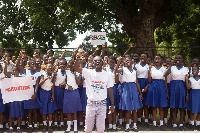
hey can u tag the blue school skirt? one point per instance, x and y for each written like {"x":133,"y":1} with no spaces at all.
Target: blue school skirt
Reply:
{"x":116,"y":97}
{"x":28,"y":104}
{"x":177,"y":94}
{"x":130,"y":98}
{"x":157,"y":94}
{"x":59,"y":96}
{"x":16,"y":109}
{"x":193,"y":104}
{"x":143,"y":83}
{"x":84,"y":99}
{"x":72,"y":101}
{"x":48,"y":107}
{"x":2,"y":106}
{"x":80,"y":89}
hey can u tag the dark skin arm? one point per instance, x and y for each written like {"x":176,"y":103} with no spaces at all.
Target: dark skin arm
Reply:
{"x":36,"y":90}
{"x":138,"y":86}
{"x":5,"y":69}
{"x":110,"y":91}
{"x":149,"y":74}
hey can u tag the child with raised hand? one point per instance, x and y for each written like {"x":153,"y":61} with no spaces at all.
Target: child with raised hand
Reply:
{"x":33,"y":104}
{"x":72,"y":101}
{"x":156,"y":90}
{"x":142,"y":69}
{"x":16,"y":108}
{"x":131,"y":96}
{"x":47,"y":96}
{"x":193,"y":105}
{"x":177,"y":93}
{"x":60,"y":83}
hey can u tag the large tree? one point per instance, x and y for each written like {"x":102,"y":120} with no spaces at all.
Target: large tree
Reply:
{"x":40,"y":23}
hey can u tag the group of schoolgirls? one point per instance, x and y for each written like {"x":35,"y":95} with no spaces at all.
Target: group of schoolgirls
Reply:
{"x":55,"y":92}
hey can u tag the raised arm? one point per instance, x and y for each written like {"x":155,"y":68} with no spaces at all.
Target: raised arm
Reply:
{"x":117,"y":69}
{"x":168,"y":71}
{"x":131,"y":46}
{"x":187,"y":82}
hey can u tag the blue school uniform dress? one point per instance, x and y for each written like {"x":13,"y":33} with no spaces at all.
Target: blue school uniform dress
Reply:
{"x":28,"y":104}
{"x":115,"y":90}
{"x":157,"y":93}
{"x":2,"y":106}
{"x":16,"y":108}
{"x":83,"y":97}
{"x":72,"y":100}
{"x":58,"y":91}
{"x":130,"y":98}
{"x":48,"y":107}
{"x":193,"y":104}
{"x":177,"y":92}
{"x":142,"y":75}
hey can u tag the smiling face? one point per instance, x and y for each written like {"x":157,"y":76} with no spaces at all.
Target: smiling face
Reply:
{"x":195,"y":62}
{"x":128,"y":62}
{"x":143,"y":58}
{"x":98,"y":62}
{"x":32,"y":65}
{"x":136,"y":58}
{"x":15,"y":71}
{"x":38,"y":63}
{"x":179,"y":60}
{"x":195,"y":70}
{"x":62,"y":64}
{"x":51,"y":60}
{"x":49,"y":68}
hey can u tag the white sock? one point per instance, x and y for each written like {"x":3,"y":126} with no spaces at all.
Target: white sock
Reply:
{"x":7,"y":126}
{"x":45,"y":123}
{"x":149,"y":116}
{"x":123,"y":120}
{"x":174,"y":125}
{"x":192,"y":122}
{"x":18,"y":127}
{"x":146,"y":120}
{"x":197,"y":123}
{"x":15,"y":122}
{"x":61,"y":123}
{"x":127,"y":126}
{"x":1,"y":126}
{"x":10,"y":127}
{"x":35,"y":125}
{"x":56,"y":123}
{"x":120,"y":121}
{"x":189,"y":121}
{"x":30,"y":125}
{"x":154,"y":123}
{"x":134,"y":126}
{"x":117,"y":118}
{"x":114,"y":126}
{"x":80,"y":123}
{"x":110,"y":126}
{"x":129,"y":121}
{"x":23,"y":123}
{"x":72,"y":123}
{"x":50,"y":122}
{"x":161,"y":122}
{"x":38,"y":124}
{"x":180,"y":125}
{"x":68,"y":125}
{"x":75,"y":125}
{"x":165,"y":120}
{"x":139,"y":119}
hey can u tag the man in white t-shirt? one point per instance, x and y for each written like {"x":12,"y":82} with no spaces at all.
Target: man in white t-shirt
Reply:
{"x":97,"y":82}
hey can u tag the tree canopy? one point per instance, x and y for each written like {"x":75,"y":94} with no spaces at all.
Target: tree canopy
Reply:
{"x":41,"y":23}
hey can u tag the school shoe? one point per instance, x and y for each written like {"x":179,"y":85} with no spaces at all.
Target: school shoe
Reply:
{"x":75,"y":131}
{"x":50,"y":129}
{"x":44,"y":129}
{"x":181,"y":128}
{"x":162,"y":128}
{"x":198,"y":128}
{"x":153,"y":128}
{"x":146,"y":125}
{"x":135,"y":129}
{"x":66,"y":131}
{"x":175,"y":128}
{"x":1,"y":130}
{"x":109,"y":129}
{"x":192,"y":128}
{"x":127,"y":130}
{"x":19,"y":131}
{"x":10,"y":130}
{"x":30,"y":130}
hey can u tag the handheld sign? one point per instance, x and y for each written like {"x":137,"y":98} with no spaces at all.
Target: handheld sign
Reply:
{"x":98,"y":38}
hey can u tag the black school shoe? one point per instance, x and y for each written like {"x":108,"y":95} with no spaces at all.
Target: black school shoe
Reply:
{"x":135,"y":129}
{"x":127,"y":130}
{"x":153,"y":128}
{"x":192,"y":127}
{"x":162,"y":128}
{"x":181,"y":128}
